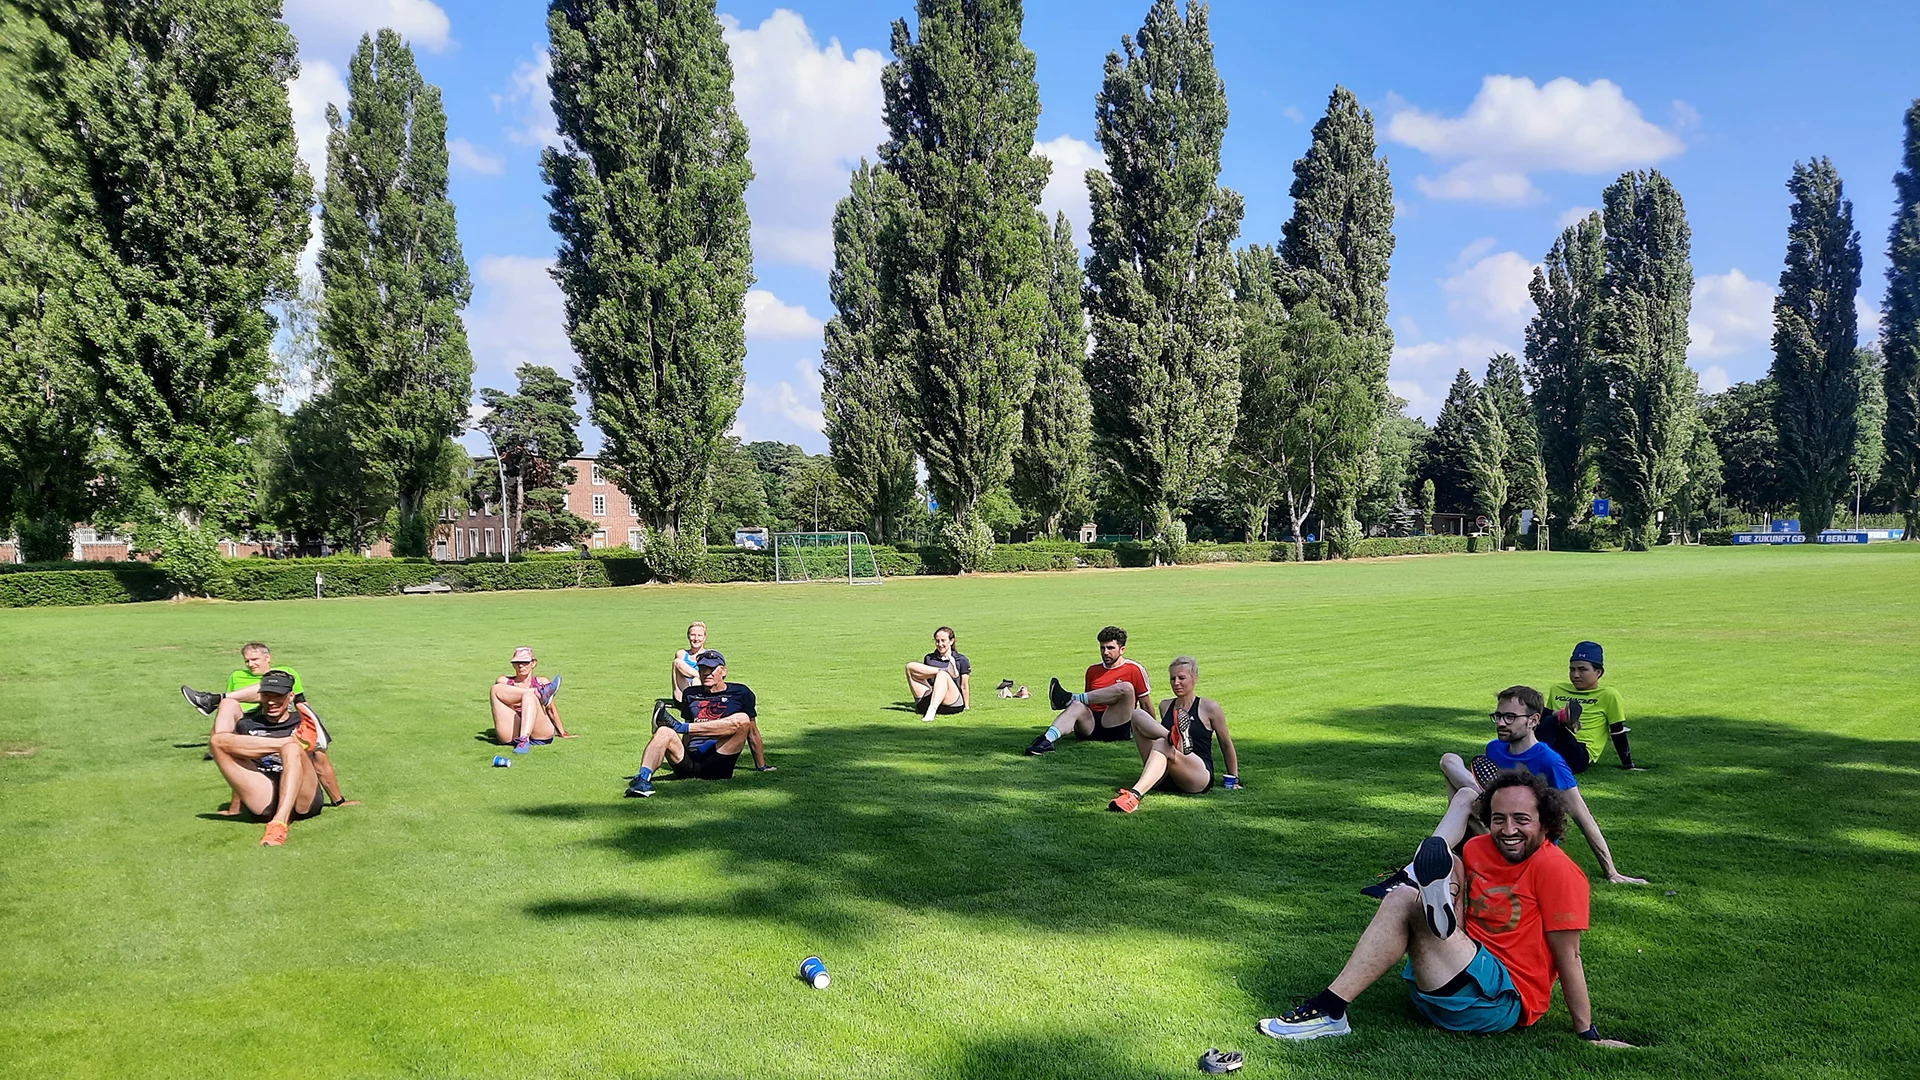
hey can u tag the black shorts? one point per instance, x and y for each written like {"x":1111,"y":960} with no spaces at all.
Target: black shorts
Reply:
{"x":299,"y":813}
{"x":1566,"y":744}
{"x":949,"y":710}
{"x":703,"y":763}
{"x":1117,"y":733}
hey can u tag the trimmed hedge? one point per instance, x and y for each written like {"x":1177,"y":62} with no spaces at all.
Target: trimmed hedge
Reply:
{"x":123,"y":583}
{"x":1385,"y":546}
{"x":1717,"y":537}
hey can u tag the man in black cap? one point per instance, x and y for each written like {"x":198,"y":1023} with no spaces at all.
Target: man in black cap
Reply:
{"x":717,"y":719}
{"x":267,"y":759}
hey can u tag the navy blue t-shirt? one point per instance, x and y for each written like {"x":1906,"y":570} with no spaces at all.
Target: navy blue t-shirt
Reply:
{"x":956,"y":664}
{"x":700,"y":703}
{"x":1542,"y":760}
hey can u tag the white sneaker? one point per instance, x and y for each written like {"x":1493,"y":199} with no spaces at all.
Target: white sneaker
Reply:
{"x":1305,"y":1022}
{"x":1433,"y":872}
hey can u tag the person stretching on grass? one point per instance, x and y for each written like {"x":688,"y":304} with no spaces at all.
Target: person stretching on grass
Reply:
{"x":717,"y":720}
{"x":1515,"y":720}
{"x":1116,"y":693}
{"x":1579,"y":709}
{"x":524,"y":714}
{"x":243,"y":691}
{"x":266,"y":759}
{"x":1181,"y":748}
{"x":1521,"y":901}
{"x":685,"y":673}
{"x":943,"y":680}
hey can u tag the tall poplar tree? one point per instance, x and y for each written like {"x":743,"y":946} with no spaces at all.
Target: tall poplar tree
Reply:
{"x":395,"y":279}
{"x":962,"y":271}
{"x":1165,"y":367}
{"x":1816,"y":333}
{"x":1052,"y":469}
{"x":1900,"y":333}
{"x":194,"y":208}
{"x":648,"y":192}
{"x":1486,"y":453}
{"x":1646,"y":413}
{"x":863,"y":384}
{"x":1338,"y":246}
{"x":1526,"y":480}
{"x":1563,"y":369}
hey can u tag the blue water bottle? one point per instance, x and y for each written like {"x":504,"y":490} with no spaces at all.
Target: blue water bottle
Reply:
{"x":815,"y":973}
{"x":501,"y":761}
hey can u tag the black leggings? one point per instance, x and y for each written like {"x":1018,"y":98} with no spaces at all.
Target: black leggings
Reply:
{"x":1564,"y":743}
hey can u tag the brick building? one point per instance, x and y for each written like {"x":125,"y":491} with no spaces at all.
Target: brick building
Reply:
{"x":467,"y":533}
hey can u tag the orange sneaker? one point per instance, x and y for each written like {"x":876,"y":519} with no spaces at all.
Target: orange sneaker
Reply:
{"x":276,"y":835}
{"x":1126,"y":802}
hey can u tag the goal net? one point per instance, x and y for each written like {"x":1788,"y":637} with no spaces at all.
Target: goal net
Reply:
{"x":832,"y":556}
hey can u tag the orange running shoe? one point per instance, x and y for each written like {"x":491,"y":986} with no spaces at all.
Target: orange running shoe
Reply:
{"x":276,"y":835}
{"x":1126,"y":802}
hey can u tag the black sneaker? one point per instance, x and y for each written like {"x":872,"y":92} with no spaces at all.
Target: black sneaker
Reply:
{"x":1057,"y":695}
{"x":663,"y":712}
{"x":640,"y":789}
{"x":1485,"y":772}
{"x":1040,"y":745}
{"x":1388,"y":881}
{"x":1433,"y":873}
{"x":208,"y":704}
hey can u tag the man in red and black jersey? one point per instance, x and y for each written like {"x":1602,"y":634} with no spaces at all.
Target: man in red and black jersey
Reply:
{"x":1117,"y":691}
{"x":717,"y":720}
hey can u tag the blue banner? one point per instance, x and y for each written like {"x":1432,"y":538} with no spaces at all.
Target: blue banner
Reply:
{"x":1603,"y":508}
{"x":1841,"y":536}
{"x":1770,"y":538}
{"x":1785,"y":525}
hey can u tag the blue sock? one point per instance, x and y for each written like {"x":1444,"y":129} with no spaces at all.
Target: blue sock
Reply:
{"x":645,"y":774}
{"x":1081,"y":697}
{"x":679,"y":727}
{"x":1053,"y":733}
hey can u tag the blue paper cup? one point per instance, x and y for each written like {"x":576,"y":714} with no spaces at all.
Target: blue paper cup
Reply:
{"x":814,"y":972}
{"x":501,"y":761}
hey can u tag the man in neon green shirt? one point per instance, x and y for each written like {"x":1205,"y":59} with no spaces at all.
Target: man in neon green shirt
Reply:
{"x":1583,"y":716}
{"x":243,"y":688}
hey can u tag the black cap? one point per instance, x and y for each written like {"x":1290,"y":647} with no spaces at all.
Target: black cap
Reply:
{"x":710,"y":658}
{"x":276,"y":682}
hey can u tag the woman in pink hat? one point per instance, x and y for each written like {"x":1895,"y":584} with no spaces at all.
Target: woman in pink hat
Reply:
{"x":523,"y":708}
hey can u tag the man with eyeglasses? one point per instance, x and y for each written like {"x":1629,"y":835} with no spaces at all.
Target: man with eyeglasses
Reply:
{"x":1516,"y":715}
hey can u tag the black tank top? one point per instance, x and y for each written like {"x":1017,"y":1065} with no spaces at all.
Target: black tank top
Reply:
{"x":1188,"y":734}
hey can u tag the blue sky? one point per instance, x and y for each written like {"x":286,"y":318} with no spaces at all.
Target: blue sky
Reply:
{"x":1499,"y":124}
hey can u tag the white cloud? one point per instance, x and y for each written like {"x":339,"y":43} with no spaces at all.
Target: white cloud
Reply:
{"x":811,"y":113}
{"x":1067,"y":183}
{"x":1732,"y":313}
{"x":1573,"y":215}
{"x":318,"y":85}
{"x":518,"y":317}
{"x":1293,"y":113}
{"x":1514,"y":128}
{"x":770,"y":318}
{"x":782,"y":411}
{"x":1869,"y":315}
{"x":472,"y":158}
{"x":338,"y":24}
{"x":1421,"y":402}
{"x":1470,"y":351}
{"x":1715,"y":379}
{"x":1685,"y":116}
{"x":529,"y":101}
{"x":1490,"y":293}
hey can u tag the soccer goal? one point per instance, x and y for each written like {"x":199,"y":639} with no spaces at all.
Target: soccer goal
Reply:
{"x":833,"y":556}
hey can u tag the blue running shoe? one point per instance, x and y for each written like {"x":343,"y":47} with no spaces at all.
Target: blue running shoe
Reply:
{"x":547,"y":691}
{"x":640,"y":789}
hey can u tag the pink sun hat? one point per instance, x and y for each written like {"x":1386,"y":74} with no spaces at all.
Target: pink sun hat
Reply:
{"x":522,"y":655}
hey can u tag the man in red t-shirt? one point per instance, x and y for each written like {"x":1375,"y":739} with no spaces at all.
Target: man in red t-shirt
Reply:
{"x":1526,"y":905}
{"x":1116,"y":693}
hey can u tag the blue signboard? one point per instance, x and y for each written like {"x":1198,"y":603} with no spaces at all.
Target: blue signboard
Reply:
{"x":1769,"y":538}
{"x":1603,"y":508}
{"x":1842,"y":536}
{"x":1785,"y":525}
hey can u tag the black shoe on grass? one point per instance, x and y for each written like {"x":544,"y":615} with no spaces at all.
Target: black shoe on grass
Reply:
{"x":1386,"y":883}
{"x":1040,"y":746}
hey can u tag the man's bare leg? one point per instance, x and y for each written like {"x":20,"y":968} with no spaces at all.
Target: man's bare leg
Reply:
{"x":236,"y":760}
{"x":1399,"y":930}
{"x":665,"y":746}
{"x":1459,"y":777}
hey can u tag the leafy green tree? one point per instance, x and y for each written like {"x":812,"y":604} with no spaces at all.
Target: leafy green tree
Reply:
{"x":648,"y":194}
{"x":1159,"y":283}
{"x":1448,"y":468}
{"x":1701,"y":494}
{"x":394,"y":278}
{"x":49,"y":455}
{"x":962,"y":269}
{"x":778,"y":464}
{"x":193,"y":209}
{"x":320,"y":487}
{"x":1398,"y":438}
{"x":1646,"y":412}
{"x":739,"y":493}
{"x":1052,"y":467}
{"x":863,"y":384}
{"x":1900,"y":333}
{"x":1739,"y":420}
{"x":1255,"y":471}
{"x":1487,"y":452}
{"x":1338,"y":246}
{"x":1563,"y":368}
{"x":535,"y":431}
{"x":1526,"y":478}
{"x":1869,"y":444}
{"x":1816,"y":333}
{"x":1427,"y":498}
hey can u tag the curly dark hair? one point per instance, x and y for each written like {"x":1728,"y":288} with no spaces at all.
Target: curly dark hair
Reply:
{"x":1113,"y":633}
{"x":1553,"y":816}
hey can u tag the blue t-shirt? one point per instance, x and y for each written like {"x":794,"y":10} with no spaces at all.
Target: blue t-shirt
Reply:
{"x":956,"y":664}
{"x":1542,"y":760}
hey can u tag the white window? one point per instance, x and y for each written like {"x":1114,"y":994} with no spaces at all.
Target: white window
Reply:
{"x":631,"y":512}
{"x":600,"y":539}
{"x":489,"y":534}
{"x":471,"y":512}
{"x":599,"y":506}
{"x":599,"y":478}
{"x":633,"y":539}
{"x":440,"y":550}
{"x":473,"y":543}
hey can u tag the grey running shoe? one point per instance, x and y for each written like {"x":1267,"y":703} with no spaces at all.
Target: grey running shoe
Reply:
{"x":207,"y":703}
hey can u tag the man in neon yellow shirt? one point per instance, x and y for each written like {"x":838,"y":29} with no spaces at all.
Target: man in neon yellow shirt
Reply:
{"x":243,"y":689}
{"x":1583,"y":716}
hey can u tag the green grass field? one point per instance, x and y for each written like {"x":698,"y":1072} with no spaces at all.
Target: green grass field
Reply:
{"x":982,"y":913}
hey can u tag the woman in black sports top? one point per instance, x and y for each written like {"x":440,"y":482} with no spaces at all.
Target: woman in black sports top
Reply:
{"x":1181,"y":754}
